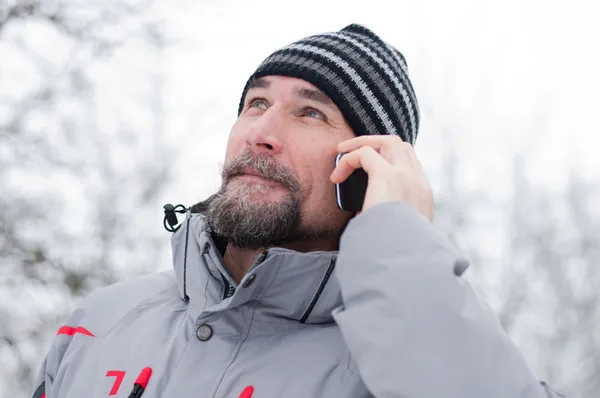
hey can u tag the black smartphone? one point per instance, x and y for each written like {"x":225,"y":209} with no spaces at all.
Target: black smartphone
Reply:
{"x":350,"y":194}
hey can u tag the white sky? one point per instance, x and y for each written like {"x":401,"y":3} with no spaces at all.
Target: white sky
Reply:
{"x":502,"y":76}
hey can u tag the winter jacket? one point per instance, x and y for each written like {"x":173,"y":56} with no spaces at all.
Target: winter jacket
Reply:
{"x":387,"y":316}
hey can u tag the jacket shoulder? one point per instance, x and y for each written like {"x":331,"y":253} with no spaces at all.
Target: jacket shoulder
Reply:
{"x":106,"y":306}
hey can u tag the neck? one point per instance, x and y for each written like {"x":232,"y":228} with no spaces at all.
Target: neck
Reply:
{"x":238,"y":261}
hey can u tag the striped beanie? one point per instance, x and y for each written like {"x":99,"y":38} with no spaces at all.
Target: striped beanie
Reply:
{"x":363,"y":75}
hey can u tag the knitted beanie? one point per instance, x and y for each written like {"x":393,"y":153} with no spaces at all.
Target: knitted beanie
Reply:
{"x":363,"y":75}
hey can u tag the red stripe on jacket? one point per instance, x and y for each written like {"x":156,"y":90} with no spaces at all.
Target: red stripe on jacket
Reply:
{"x":68,"y":330}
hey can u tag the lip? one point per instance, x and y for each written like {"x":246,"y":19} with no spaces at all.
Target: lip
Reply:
{"x":255,"y":177}
{"x":250,"y":172}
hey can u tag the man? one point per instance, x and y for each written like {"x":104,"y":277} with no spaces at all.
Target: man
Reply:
{"x":277,"y":292}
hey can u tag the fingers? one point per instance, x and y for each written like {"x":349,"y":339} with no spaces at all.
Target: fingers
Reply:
{"x":365,"y":157}
{"x":374,"y":141}
{"x":395,"y":172}
{"x":415,"y":162}
{"x":391,"y":147}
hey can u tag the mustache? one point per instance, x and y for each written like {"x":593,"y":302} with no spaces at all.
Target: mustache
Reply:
{"x":264,"y":166}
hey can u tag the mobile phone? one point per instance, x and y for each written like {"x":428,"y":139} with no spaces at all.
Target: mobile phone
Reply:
{"x":350,"y":194}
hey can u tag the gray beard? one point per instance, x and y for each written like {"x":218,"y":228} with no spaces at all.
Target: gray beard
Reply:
{"x":251,"y":224}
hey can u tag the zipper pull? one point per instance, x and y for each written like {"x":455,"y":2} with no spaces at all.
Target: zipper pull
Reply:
{"x":140,"y":383}
{"x":247,"y":393}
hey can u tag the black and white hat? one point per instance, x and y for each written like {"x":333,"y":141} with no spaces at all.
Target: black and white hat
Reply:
{"x":366,"y":78}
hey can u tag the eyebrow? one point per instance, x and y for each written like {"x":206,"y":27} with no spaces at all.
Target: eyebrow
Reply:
{"x":261,"y":82}
{"x":314,"y":95}
{"x":303,"y":92}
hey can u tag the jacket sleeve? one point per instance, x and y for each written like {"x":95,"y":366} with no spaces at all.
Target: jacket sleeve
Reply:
{"x":413,"y":327}
{"x":44,"y":381}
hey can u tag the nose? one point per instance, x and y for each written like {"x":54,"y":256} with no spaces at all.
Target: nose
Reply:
{"x":264,"y":135}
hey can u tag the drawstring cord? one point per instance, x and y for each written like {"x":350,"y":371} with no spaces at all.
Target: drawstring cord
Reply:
{"x":170,"y":223}
{"x":170,"y":220}
{"x":188,"y":216}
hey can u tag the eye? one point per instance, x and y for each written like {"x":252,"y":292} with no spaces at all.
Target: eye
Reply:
{"x":257,"y":103}
{"x":310,"y":112}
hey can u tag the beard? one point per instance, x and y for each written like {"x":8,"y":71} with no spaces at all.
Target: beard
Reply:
{"x":241,"y":215}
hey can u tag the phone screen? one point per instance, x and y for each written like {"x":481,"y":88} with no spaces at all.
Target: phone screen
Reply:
{"x":350,"y":194}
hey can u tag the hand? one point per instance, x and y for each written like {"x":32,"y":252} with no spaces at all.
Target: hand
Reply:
{"x":395,"y":173}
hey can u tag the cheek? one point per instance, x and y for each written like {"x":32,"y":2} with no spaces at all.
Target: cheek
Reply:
{"x":235,"y":143}
{"x":321,"y":187}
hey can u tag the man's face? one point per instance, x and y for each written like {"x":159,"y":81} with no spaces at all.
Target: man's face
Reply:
{"x":280,"y":154}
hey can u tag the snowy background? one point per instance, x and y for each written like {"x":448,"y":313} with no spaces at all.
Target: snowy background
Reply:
{"x":110,"y":109}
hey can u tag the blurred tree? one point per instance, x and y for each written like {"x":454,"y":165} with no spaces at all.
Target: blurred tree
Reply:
{"x":552,"y":302}
{"x":543,"y":284}
{"x":83,"y":161}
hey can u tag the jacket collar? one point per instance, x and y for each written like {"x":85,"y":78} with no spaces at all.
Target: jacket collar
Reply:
{"x":286,"y":284}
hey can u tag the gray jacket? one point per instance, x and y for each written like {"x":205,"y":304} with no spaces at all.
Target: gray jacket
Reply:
{"x":385,"y":317}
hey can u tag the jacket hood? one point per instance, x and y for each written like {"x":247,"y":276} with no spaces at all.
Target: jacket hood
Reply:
{"x":285,"y":284}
